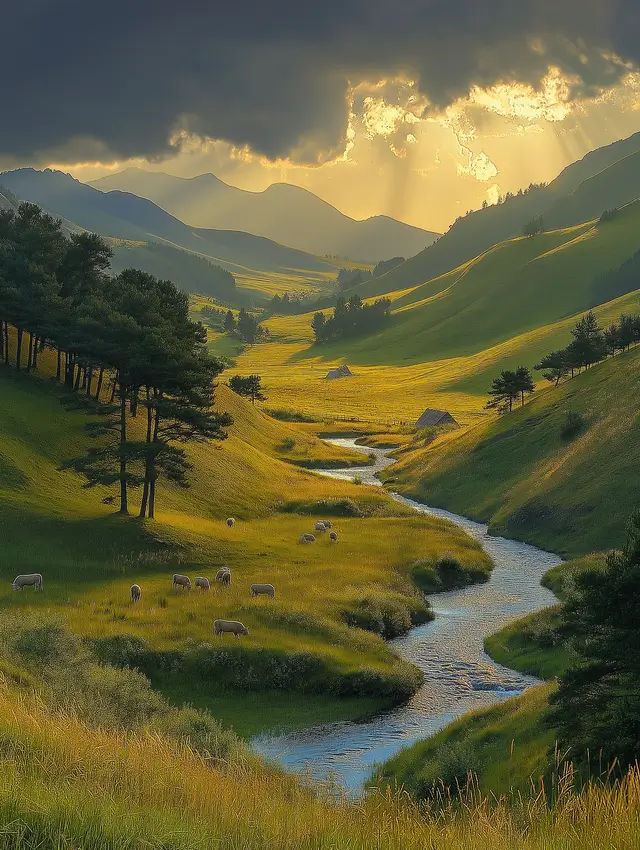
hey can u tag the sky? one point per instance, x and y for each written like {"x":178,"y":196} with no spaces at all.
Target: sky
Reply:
{"x":418,"y":109}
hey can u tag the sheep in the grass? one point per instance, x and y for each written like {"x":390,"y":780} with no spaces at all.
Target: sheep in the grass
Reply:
{"x":136,"y":593}
{"x":181,"y":581}
{"x":263,"y":590}
{"x":221,"y":627}
{"x":29,"y":580}
{"x":231,"y":522}
{"x":327,"y":523}
{"x":320,"y":526}
{"x":333,"y":537}
{"x":224,"y":576}
{"x":202,"y":582}
{"x":307,"y":538}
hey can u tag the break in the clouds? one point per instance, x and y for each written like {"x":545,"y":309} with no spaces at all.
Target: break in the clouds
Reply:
{"x":125,"y":77}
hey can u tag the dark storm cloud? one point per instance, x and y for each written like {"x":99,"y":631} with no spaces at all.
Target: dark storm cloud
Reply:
{"x":272,"y":74}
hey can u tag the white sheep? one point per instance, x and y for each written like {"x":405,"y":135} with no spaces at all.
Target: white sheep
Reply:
{"x":136,"y":593}
{"x":233,"y":627}
{"x":263,"y":590}
{"x":181,"y":581}
{"x":231,"y":522}
{"x":224,"y":576}
{"x":202,"y":582}
{"x":29,"y":580}
{"x":320,"y":526}
{"x":307,"y":538}
{"x":327,"y":523}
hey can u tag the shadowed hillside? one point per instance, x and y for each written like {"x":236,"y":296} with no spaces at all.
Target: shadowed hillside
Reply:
{"x":125,"y":216}
{"x":565,"y":199}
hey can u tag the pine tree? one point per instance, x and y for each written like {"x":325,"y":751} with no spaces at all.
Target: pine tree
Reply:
{"x":597,"y":706}
{"x":524,"y":382}
{"x":249,"y":387}
{"x":504,"y":390}
{"x":555,"y":365}
{"x":318,"y":326}
{"x":229,"y":322}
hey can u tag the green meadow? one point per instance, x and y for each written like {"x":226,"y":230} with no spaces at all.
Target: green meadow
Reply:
{"x":303,"y":641}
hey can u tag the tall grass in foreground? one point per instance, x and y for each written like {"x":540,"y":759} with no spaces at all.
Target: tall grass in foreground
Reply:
{"x":63,"y":784}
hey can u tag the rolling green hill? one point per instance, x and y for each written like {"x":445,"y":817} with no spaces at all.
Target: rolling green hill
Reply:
{"x":477,"y":232}
{"x":613,"y":187}
{"x":515,"y":287}
{"x":90,"y":556}
{"x":518,"y":474}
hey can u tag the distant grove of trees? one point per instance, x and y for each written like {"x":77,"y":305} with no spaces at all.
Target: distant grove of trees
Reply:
{"x":351,"y":318}
{"x":348,"y":278}
{"x":590,"y":344}
{"x":131,"y":330}
{"x":246,"y":326}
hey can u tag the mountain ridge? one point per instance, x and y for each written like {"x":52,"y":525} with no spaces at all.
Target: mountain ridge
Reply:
{"x":125,"y":216}
{"x":283,"y":212}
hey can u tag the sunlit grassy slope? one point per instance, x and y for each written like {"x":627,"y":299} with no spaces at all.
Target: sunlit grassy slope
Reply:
{"x":89,"y":557}
{"x":518,"y":474}
{"x":450,"y":336}
{"x":508,"y":748}
{"x":63,"y":784}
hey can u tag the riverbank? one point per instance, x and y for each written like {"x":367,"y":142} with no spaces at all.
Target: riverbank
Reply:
{"x":459,"y":676}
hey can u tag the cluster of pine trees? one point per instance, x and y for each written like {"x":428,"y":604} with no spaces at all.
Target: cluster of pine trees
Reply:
{"x":351,"y":318}
{"x":510,"y":386}
{"x":590,"y":344}
{"x":132,"y":331}
{"x":246,"y":326}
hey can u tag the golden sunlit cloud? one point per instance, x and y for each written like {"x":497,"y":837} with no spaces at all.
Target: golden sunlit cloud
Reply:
{"x":401,"y":157}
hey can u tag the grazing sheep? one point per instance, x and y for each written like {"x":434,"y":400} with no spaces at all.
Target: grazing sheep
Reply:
{"x":181,"y":581}
{"x":231,"y":522}
{"x":263,"y":590}
{"x":136,"y":593}
{"x":30,"y":580}
{"x":202,"y":582}
{"x":307,"y":538}
{"x":327,"y":523}
{"x":220,"y":627}
{"x":333,"y":536}
{"x":320,"y":526}
{"x":224,"y":576}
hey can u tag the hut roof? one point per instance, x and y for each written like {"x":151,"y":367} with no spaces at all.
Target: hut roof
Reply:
{"x":340,"y":372}
{"x":434,"y":418}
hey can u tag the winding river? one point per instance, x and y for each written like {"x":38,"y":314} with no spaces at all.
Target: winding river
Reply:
{"x":459,"y":675}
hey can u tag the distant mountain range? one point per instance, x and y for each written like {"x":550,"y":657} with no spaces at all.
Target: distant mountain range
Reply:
{"x":124,"y":216}
{"x":284,"y":213}
{"x":605,"y":178}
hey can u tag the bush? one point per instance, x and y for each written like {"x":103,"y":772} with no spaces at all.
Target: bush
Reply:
{"x":326,"y":507}
{"x":287,"y":444}
{"x":446,"y":573}
{"x":357,"y":479}
{"x":386,"y":616}
{"x":572,"y":425}
{"x":289,"y":415}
